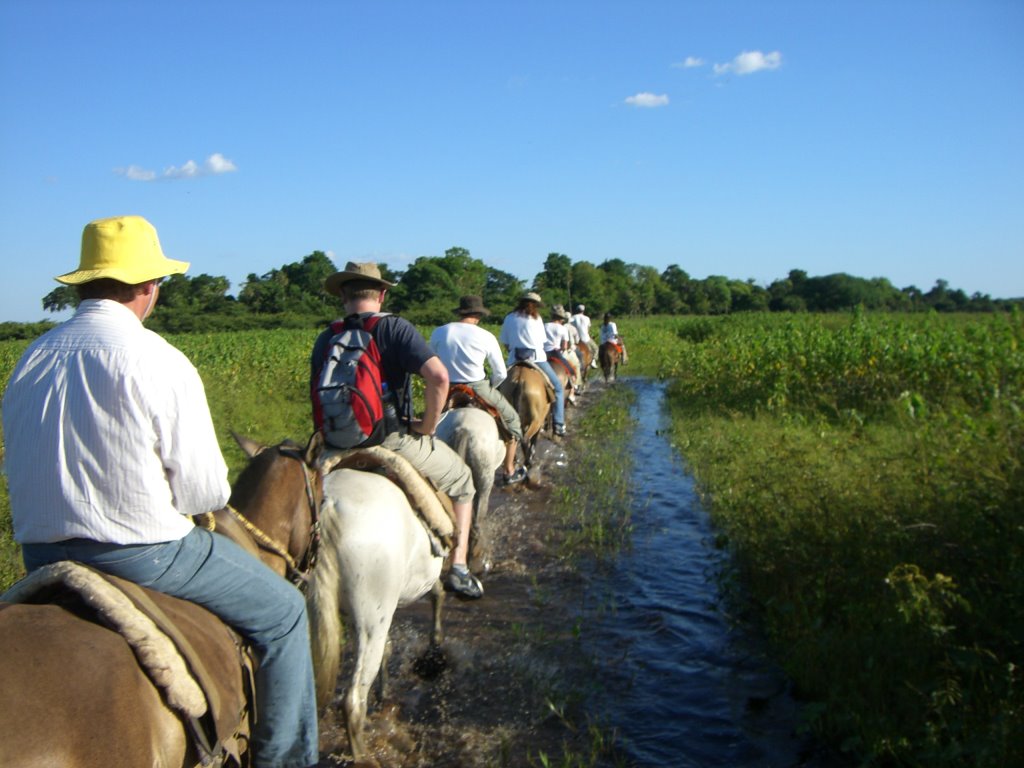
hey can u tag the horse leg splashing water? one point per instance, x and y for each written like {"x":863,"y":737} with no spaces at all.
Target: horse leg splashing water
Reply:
{"x":376,"y":556}
{"x":74,"y":694}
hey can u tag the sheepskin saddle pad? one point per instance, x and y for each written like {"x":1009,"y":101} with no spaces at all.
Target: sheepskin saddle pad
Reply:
{"x":433,"y":507}
{"x":196,"y":661}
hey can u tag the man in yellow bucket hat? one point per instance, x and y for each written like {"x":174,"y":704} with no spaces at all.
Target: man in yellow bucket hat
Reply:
{"x":110,"y":447}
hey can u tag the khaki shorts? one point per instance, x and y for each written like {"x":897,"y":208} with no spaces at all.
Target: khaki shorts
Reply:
{"x":436,"y":461}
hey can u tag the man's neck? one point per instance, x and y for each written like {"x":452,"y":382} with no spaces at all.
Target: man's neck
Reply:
{"x":359,"y":306}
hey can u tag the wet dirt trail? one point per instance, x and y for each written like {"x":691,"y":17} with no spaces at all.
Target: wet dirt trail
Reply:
{"x":550,"y":650}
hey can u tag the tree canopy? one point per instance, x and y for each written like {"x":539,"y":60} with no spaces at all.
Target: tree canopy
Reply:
{"x":429,"y":289}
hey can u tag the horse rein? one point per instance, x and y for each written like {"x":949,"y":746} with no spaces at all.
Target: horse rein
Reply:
{"x":297,"y":573}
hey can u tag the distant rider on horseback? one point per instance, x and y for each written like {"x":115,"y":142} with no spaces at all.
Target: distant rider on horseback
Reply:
{"x":557,"y":343}
{"x":582,"y":324}
{"x":610,"y":332}
{"x":522,"y":333}
{"x":464,"y":347}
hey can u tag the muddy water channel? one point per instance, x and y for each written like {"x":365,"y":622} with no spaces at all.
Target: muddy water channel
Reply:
{"x":630,"y":661}
{"x":680,"y":682}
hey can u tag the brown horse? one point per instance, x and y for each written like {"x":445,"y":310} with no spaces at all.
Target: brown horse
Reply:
{"x":608,"y":356}
{"x":529,"y":391}
{"x":586,"y":357}
{"x":74,"y":694}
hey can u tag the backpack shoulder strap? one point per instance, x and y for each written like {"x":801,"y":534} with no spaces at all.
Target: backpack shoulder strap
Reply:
{"x":371,"y":322}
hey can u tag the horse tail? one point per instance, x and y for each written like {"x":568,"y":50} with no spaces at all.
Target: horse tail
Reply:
{"x":324,"y":608}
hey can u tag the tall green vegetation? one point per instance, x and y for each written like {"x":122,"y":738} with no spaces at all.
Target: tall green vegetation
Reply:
{"x":864,"y":471}
{"x":866,"y":474}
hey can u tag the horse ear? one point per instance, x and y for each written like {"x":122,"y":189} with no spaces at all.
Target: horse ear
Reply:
{"x":249,"y":447}
{"x":314,"y":448}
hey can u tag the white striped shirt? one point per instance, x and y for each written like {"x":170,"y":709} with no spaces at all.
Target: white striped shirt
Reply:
{"x":108,"y":434}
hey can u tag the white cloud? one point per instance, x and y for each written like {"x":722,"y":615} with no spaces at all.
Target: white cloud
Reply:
{"x":749,"y":62}
{"x":217,"y":163}
{"x":647,"y":100}
{"x":187,"y":171}
{"x":214,"y":165}
{"x":689,"y":63}
{"x":135,"y":173}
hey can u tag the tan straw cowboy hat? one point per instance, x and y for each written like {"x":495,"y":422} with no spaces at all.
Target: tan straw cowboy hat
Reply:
{"x":531,"y":296}
{"x":355,"y":271}
{"x":123,"y":248}
{"x":471,"y":305}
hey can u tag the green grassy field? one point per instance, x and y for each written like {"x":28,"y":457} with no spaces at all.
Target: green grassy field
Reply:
{"x":863,"y":471}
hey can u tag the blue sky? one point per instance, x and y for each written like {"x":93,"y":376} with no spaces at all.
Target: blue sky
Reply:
{"x":745,"y":139}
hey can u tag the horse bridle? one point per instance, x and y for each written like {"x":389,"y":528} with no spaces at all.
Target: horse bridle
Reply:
{"x":297,"y":573}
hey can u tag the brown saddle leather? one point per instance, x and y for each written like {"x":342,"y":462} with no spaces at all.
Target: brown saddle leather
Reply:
{"x":464,"y":396}
{"x":213,"y":654}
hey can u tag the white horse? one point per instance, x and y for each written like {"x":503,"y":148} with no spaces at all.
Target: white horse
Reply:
{"x":577,"y":381}
{"x":473,"y":434}
{"x":376,"y":556}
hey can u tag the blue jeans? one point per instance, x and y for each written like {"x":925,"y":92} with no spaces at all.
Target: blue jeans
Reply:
{"x":266,"y":610}
{"x":559,"y":415}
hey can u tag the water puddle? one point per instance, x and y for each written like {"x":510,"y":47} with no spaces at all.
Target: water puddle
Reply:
{"x":680,"y":683}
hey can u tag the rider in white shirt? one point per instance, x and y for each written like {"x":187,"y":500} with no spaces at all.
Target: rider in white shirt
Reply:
{"x":610,"y":332}
{"x":464,"y":347}
{"x":557,"y":344}
{"x":582,"y":324}
{"x":110,"y":449}
{"x":522,"y":333}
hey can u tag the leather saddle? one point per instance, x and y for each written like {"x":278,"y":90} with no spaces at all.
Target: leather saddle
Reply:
{"x":463,"y":396}
{"x":200,"y":665}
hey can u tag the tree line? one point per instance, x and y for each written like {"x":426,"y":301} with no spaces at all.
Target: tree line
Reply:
{"x":428,"y":290}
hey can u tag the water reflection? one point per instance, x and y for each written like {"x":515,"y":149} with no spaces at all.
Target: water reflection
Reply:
{"x":682,"y":686}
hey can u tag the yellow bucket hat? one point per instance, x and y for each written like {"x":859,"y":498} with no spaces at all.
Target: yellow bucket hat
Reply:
{"x":124,"y":248}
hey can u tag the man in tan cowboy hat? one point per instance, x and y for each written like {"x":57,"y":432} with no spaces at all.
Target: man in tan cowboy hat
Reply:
{"x":464,"y":347}
{"x":404,"y":352}
{"x":110,"y":446}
